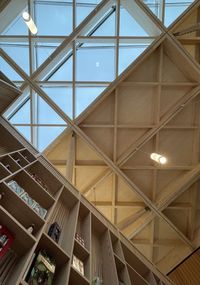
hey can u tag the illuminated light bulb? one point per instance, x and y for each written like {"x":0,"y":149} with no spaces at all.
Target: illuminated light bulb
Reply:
{"x":158,"y":158}
{"x":29,"y":22}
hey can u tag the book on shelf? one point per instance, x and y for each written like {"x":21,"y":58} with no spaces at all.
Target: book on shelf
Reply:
{"x":15,"y":187}
{"x":78,"y":264}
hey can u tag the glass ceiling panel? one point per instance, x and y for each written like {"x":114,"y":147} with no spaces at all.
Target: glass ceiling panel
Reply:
{"x":48,"y":134}
{"x":85,"y":96}
{"x":62,"y":96}
{"x":82,"y":11}
{"x":107,"y":28}
{"x":128,"y":53}
{"x":59,"y":20}
{"x":100,"y":63}
{"x":129,"y":26}
{"x":43,"y":51}
{"x":25,"y":131}
{"x":9,"y":71}
{"x":22,"y":116}
{"x":172,"y":9}
{"x":64,"y":73}
{"x":46,"y":115}
{"x":19,"y":52}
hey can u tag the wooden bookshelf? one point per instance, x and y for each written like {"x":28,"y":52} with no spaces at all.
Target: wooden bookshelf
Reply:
{"x":85,"y":232}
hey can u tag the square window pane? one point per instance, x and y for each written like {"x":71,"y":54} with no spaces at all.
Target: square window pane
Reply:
{"x":54,"y":19}
{"x":100,"y":63}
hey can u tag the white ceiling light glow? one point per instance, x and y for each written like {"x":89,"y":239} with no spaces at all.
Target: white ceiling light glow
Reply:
{"x":158,"y":158}
{"x":29,"y":22}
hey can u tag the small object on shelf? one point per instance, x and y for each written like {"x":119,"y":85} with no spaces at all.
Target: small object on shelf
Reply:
{"x":79,"y":238}
{"x":97,"y":281}
{"x":54,"y":232}
{"x":42,"y":270}
{"x":38,"y":180}
{"x":25,"y":197}
{"x":1,"y":195}
{"x":6,"y":240}
{"x":28,"y":199}
{"x":39,"y":210}
{"x":31,"y":229}
{"x":15,"y":187}
{"x":78,"y":264}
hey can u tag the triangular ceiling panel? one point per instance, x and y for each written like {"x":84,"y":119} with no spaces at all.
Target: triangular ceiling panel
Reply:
{"x":183,"y":211}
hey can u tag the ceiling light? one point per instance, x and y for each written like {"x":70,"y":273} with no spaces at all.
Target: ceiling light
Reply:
{"x":158,"y":158}
{"x":29,"y":22}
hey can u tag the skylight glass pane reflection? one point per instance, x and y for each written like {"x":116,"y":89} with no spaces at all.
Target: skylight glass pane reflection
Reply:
{"x":53,"y":19}
{"x":85,"y":96}
{"x":62,"y":96}
{"x":99,"y":62}
{"x":19,"y":52}
{"x":48,"y":134}
{"x":128,"y":53}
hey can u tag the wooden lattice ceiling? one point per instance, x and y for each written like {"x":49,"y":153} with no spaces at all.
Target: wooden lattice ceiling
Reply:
{"x":152,"y":107}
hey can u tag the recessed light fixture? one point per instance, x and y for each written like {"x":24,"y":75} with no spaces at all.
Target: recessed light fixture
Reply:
{"x":97,"y":64}
{"x":158,"y":158}
{"x":29,"y":22}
